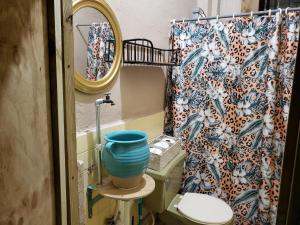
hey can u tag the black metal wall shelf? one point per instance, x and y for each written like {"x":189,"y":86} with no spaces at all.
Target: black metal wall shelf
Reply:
{"x":109,"y":51}
{"x":141,"y":51}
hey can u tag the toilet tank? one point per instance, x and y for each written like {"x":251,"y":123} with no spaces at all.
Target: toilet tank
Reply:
{"x":167,"y":184}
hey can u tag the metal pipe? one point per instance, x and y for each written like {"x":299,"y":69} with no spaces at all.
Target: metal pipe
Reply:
{"x":237,"y":15}
{"x":98,"y":130}
{"x":98,"y":142}
{"x":98,"y":148}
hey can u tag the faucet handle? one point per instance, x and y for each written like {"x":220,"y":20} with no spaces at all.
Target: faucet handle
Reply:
{"x":107,"y":95}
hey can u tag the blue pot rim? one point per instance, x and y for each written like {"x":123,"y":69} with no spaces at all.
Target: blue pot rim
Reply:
{"x":108,"y":136}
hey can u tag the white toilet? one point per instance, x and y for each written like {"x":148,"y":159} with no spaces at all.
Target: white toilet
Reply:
{"x":187,"y":209}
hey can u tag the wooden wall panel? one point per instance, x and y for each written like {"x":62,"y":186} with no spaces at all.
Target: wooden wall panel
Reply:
{"x":26,"y":177}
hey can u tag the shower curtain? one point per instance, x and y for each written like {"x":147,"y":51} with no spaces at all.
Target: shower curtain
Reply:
{"x":97,"y":66}
{"x":228,"y":102}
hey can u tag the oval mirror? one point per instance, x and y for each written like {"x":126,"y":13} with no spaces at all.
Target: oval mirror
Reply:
{"x":97,"y":45}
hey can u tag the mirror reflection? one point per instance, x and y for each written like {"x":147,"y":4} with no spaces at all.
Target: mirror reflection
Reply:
{"x":93,"y":44}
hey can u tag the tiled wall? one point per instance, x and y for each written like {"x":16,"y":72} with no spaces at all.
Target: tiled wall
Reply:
{"x":152,"y":125}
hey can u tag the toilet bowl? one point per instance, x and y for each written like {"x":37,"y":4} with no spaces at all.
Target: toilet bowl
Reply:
{"x":188,"y":209}
{"x":199,"y":209}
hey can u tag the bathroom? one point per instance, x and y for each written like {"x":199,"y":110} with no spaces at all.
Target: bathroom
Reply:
{"x":49,"y":170}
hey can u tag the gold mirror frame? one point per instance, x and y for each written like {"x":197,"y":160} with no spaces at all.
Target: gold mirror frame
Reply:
{"x":92,"y":87}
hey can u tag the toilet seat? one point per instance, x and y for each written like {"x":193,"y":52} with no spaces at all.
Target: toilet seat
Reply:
{"x":204,"y":209}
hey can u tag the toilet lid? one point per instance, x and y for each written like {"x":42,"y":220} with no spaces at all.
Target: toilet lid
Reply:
{"x":205,"y":209}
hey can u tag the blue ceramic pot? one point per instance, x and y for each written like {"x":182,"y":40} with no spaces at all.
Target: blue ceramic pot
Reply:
{"x":126,"y":153}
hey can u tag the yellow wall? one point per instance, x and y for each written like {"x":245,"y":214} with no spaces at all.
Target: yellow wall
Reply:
{"x":152,"y":125}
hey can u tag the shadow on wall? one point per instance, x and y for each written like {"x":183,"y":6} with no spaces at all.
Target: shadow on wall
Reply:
{"x":142,"y":90}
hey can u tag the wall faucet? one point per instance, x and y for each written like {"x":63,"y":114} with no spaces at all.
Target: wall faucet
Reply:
{"x":98,"y":103}
{"x":106,"y":100}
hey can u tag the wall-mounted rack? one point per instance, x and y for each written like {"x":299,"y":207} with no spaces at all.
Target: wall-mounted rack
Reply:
{"x":109,"y":52}
{"x":142,"y":51}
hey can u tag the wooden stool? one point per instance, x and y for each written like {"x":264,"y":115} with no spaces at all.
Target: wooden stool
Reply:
{"x":107,"y":189}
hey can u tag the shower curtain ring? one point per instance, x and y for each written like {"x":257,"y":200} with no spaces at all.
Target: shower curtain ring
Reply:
{"x":280,"y":11}
{"x":270,"y":12}
{"x":233,"y":16}
{"x":286,"y":10}
{"x":173,"y":21}
{"x":183,"y":20}
{"x":198,"y":20}
{"x":217,"y":18}
{"x":251,"y":15}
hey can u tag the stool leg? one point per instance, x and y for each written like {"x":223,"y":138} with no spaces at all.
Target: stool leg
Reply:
{"x":127,"y":212}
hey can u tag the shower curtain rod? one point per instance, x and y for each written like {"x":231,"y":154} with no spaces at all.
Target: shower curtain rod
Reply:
{"x":238,"y":15}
